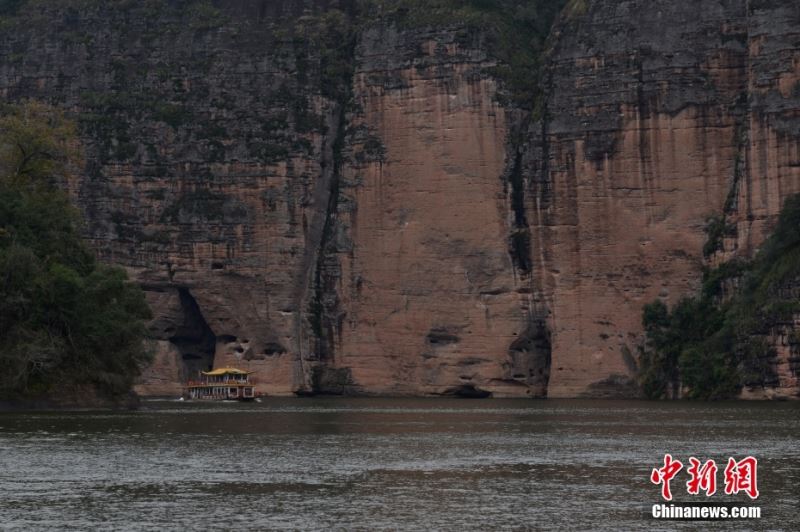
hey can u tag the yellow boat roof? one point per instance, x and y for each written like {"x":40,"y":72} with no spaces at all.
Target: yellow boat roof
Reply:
{"x":226,"y":371}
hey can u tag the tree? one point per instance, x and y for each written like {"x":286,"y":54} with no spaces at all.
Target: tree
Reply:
{"x":64,"y":317}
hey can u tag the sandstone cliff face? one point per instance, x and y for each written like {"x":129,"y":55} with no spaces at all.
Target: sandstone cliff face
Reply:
{"x":661,"y":115}
{"x":349,"y":209}
{"x":641,"y":143}
{"x":427,"y":289}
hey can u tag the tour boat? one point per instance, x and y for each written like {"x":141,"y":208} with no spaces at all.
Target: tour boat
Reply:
{"x":222,"y":384}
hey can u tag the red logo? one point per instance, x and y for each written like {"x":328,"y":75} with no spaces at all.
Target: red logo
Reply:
{"x":703,"y":478}
{"x":665,"y":474}
{"x":739,"y":476}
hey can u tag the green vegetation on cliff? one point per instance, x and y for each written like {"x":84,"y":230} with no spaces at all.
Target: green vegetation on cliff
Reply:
{"x":65,"y":319}
{"x":716,"y":342}
{"x":515,"y":31}
{"x":319,"y":45}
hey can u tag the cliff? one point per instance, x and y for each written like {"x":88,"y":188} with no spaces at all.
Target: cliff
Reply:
{"x":661,"y":116}
{"x":351,"y":203}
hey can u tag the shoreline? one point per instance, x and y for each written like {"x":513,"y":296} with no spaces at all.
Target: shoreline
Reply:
{"x":129,"y":402}
{"x":138,"y":403}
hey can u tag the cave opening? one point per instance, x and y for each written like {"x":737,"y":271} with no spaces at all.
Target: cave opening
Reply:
{"x":193,"y":338}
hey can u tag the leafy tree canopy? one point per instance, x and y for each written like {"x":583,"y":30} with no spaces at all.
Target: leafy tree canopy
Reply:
{"x":64,"y":318}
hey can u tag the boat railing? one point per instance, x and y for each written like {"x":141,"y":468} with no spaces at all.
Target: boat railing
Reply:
{"x":250,"y":382}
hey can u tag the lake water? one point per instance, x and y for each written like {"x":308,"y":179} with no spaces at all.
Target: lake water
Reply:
{"x":364,"y":463}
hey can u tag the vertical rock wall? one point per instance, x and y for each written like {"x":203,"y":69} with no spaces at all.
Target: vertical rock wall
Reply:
{"x":428,"y":290}
{"x":661,"y":115}
{"x":346,"y":208}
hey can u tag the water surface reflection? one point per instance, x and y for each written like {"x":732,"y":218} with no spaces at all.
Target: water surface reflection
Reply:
{"x":382,"y":463}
